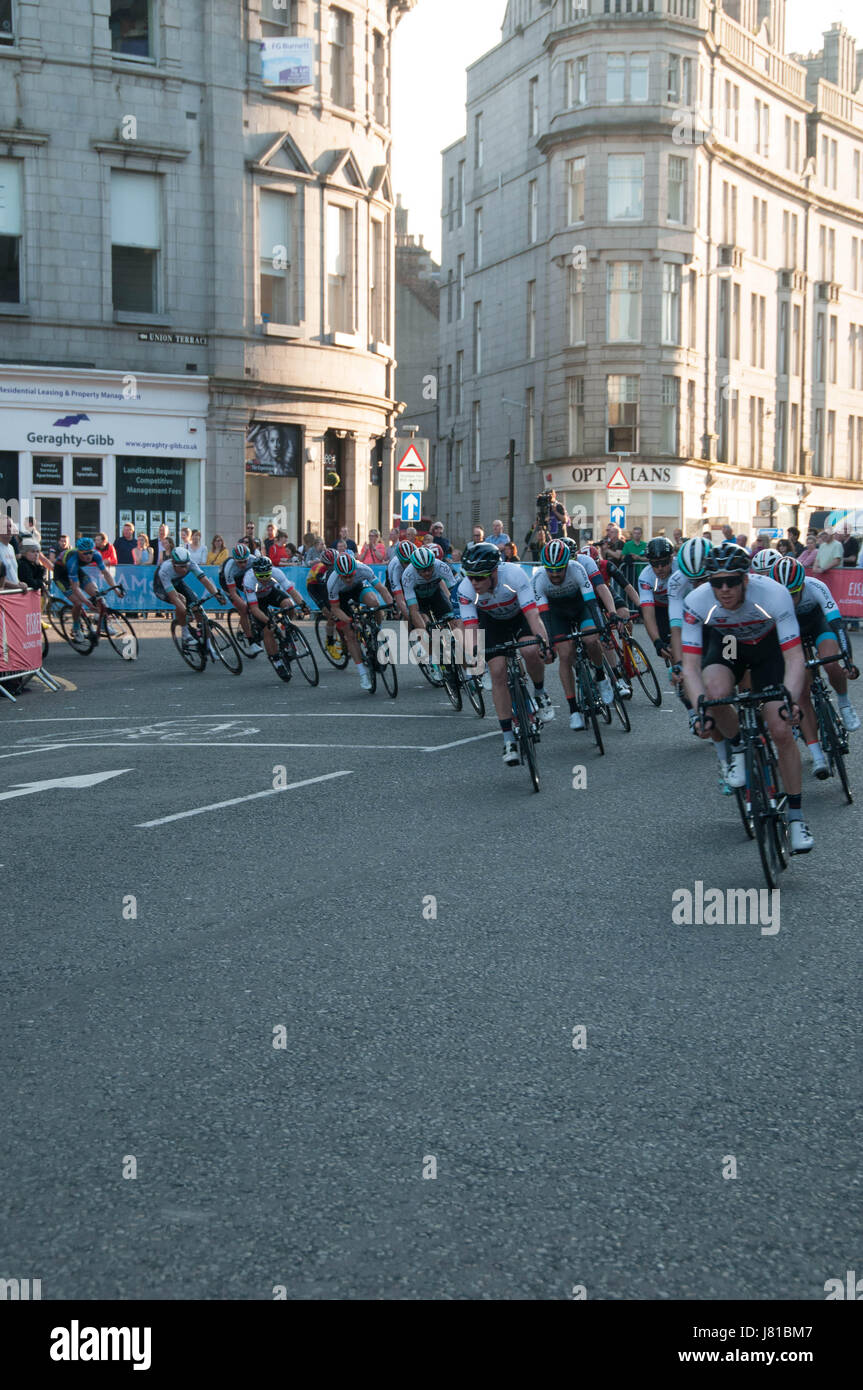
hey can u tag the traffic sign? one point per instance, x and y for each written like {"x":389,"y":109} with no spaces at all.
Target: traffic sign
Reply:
{"x":618,"y":516}
{"x":618,"y":482}
{"x":411,"y":506}
{"x":411,"y":458}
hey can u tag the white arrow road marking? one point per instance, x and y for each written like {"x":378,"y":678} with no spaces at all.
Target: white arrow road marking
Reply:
{"x":86,"y":779}
{"x":440,"y":747}
{"x":238,"y":800}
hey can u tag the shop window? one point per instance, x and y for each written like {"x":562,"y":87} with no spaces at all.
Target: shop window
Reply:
{"x":7,"y":28}
{"x":10,"y":231}
{"x":47,"y":470}
{"x":131,"y":24}
{"x":136,"y":240}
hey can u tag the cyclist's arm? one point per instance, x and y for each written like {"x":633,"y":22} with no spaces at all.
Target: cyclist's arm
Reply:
{"x":384,"y":592}
{"x":648,"y":613}
{"x":605,"y":596}
{"x":795,"y":671}
{"x":691,"y":652}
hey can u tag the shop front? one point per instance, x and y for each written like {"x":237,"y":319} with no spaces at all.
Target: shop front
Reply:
{"x":274,"y":455}
{"x":661,"y":498}
{"x":89,"y":451}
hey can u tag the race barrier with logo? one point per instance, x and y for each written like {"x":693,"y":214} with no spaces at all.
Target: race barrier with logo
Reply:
{"x":20,"y":633}
{"x":846,"y":586}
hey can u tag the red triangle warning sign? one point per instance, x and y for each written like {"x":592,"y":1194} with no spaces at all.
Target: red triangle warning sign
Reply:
{"x":618,"y":482}
{"x":410,"y":462}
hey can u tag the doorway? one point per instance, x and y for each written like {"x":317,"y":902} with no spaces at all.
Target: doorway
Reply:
{"x":48,"y":511}
{"x":88,"y":517}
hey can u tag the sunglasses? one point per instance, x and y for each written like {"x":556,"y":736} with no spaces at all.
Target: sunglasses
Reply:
{"x":727,"y":581}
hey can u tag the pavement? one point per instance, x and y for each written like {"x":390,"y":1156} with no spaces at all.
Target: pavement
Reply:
{"x":405,"y":1029}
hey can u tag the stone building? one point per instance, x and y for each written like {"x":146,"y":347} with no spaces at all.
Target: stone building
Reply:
{"x":653,"y":260}
{"x":196,"y":262}
{"x":417,"y":326}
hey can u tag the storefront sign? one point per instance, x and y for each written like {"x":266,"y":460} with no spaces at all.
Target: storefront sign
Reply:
{"x":20,"y":631}
{"x":188,"y":339}
{"x":48,"y":470}
{"x":273,"y":448}
{"x":86,"y":472}
{"x":96,"y":432}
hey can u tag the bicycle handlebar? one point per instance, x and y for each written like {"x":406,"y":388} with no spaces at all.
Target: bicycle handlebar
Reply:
{"x":507,"y":648}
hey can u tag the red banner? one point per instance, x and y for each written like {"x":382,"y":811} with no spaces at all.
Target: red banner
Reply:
{"x":846,"y":586}
{"x":20,"y":631}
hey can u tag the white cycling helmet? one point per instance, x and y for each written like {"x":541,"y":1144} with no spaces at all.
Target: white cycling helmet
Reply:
{"x":765,"y":560}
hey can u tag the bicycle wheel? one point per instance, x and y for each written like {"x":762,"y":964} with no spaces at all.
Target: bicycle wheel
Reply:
{"x":54,"y":613}
{"x":587,"y":698}
{"x":238,"y":636}
{"x":605,"y":710}
{"x":340,"y":662}
{"x":622,"y":713}
{"x":643,"y":672}
{"x":757,"y":782}
{"x":833,"y":743}
{"x":368,"y":646}
{"x":191,"y":651}
{"x":451,"y":683}
{"x":527,"y":745}
{"x":82,"y":640}
{"x":474,"y":692}
{"x":225,"y":648}
{"x":302,"y":655}
{"x":745,"y":811}
{"x":121,"y":634}
{"x":44,"y":643}
{"x":386,"y":670}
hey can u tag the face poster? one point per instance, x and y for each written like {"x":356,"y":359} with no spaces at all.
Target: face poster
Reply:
{"x":273,"y":449}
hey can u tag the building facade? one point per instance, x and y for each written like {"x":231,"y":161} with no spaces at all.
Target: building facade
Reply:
{"x":417,"y":315}
{"x":653,"y":235}
{"x":196,"y":262}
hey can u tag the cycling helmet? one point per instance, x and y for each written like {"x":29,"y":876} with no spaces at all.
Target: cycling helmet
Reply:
{"x":262,"y":567}
{"x":85,"y":544}
{"x":727,"y":558}
{"x":789,"y":572}
{"x":346,"y":563}
{"x":592,"y":551}
{"x":691,"y":557}
{"x":436,"y":550}
{"x":481,"y":559}
{"x":180,"y":555}
{"x":240,"y":552}
{"x":555,"y":556}
{"x":572,"y":547}
{"x":659,"y":549}
{"x":404,"y":550}
{"x":765,"y":559}
{"x":422,"y":558}
{"x":328,"y":557}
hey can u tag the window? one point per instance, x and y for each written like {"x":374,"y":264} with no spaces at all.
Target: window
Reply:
{"x":676,"y":211}
{"x":780,"y":462}
{"x":448,"y":399}
{"x":460,"y":192}
{"x":530,"y":427}
{"x":576,"y":82}
{"x":478,"y":143}
{"x":533,"y":107}
{"x":831,"y":443}
{"x":459,"y":383}
{"x":796,"y":358}
{"x":340,"y":40}
{"x":679,"y":84}
{"x":729,"y":419}
{"x":782,"y":339}
{"x":792,"y":144}
{"x":856,"y":186}
{"x":759,"y":228}
{"x":575,"y":414}
{"x":756,"y":431}
{"x":690,"y":416}
{"x":735,"y":322}
{"x":460,"y":286}
{"x":379,"y":284}
{"x":729,"y":213}
{"x":531,"y":318}
{"x":136,"y":240}
{"x":477,"y":237}
{"x":276,"y":257}
{"x":575,"y":301}
{"x":449,"y":292}
{"x":459,"y":465}
{"x":451,"y":206}
{"x":789,"y":240}
{"x":722,"y":333}
{"x":794,"y":440}
{"x":380,"y":78}
{"x":827,"y":253}
{"x":818,"y":368}
{"x":693,"y":308}
{"x":575,"y":172}
{"x":340,"y":269}
{"x":670,"y":415}
{"x":639,"y":77}
{"x":732,"y":111}
{"x":10,"y":231}
{"x":829,"y":161}
{"x":477,"y":337}
{"x":852,"y":355}
{"x":762,"y":129}
{"x":625,"y":187}
{"x":276,"y":17}
{"x":851,"y":470}
{"x":622,"y":414}
{"x":671,"y":304}
{"x":758,"y":329}
{"x":818,"y":444}
{"x":615,"y":77}
{"x":7,"y":32}
{"x":854,"y":263}
{"x":532,"y":210}
{"x":130,"y":28}
{"x":475,"y":436}
{"x":623,"y":286}
{"x":832,"y":344}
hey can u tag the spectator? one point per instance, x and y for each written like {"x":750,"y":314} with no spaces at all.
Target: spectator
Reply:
{"x":162,"y":548}
{"x":34,"y":531}
{"x":613,"y":545}
{"x":270,"y":539}
{"x":345,"y":535}
{"x":197,"y":551}
{"x":374,"y":552}
{"x":108,"y":553}
{"x":535,"y":540}
{"x":830,"y":553}
{"x":727,"y":533}
{"x":477,"y":535}
{"x":742,"y":540}
{"x":31,"y":565}
{"x":278,"y":551}
{"x":851,"y":548}
{"x":125,"y":545}
{"x":218,"y":552}
{"x":56,"y":548}
{"x":498,"y":536}
{"x":294,"y":557}
{"x":440,"y":539}
{"x":558,"y":517}
{"x":8,"y":558}
{"x":393,"y":542}
{"x":636,"y":545}
{"x":510,"y":552}
{"x":794,"y":538}
{"x":314,"y":552}
{"x":250,"y":533}
{"x":676,"y":539}
{"x":143,"y":552}
{"x":308,"y":542}
{"x":762,"y":542}
{"x":807,"y":556}
{"x":785,"y":547}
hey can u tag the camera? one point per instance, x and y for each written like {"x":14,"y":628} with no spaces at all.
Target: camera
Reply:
{"x":543,"y":506}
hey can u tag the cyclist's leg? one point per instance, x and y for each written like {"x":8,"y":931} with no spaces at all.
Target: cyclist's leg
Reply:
{"x":242,"y":610}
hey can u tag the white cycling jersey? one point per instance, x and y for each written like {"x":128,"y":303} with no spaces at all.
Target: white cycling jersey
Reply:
{"x":677,"y":589}
{"x":395,"y":574}
{"x":416,"y":588}
{"x":816,"y":595}
{"x":338,"y":583}
{"x":575,"y":581}
{"x":652,"y":591}
{"x":512,"y":594}
{"x":252,"y":585}
{"x":766,"y":607}
{"x":169,"y":573}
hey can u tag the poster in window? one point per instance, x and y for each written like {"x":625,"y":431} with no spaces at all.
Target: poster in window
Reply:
{"x":273,"y":449}
{"x":48,"y":470}
{"x":287,"y":62}
{"x":86,"y":472}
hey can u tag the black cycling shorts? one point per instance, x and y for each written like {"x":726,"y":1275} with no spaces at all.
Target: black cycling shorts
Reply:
{"x":437,"y":605}
{"x":318,"y":594}
{"x":179,"y":586}
{"x":764,"y":660}
{"x":273,"y":599}
{"x":814,"y":626}
{"x":497,"y":631}
{"x":663,"y":624}
{"x":569,"y":615}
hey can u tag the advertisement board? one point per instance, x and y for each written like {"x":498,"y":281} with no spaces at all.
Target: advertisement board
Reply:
{"x":273,"y":448}
{"x":287,"y":62}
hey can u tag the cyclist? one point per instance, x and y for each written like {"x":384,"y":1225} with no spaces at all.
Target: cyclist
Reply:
{"x":316,"y":587}
{"x":71,"y":580}
{"x":426,"y":585}
{"x":231,"y":583}
{"x":567,"y":601}
{"x":266,"y":588}
{"x":498,"y":598}
{"x":821,"y":627}
{"x":691,"y":571}
{"x":751,"y":628}
{"x":395,"y":571}
{"x":588,"y":558}
{"x":764,"y":560}
{"x":653,"y":594}
{"x":169,"y":585}
{"x":351,"y":582}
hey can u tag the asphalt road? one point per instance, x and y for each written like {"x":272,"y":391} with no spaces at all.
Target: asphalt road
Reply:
{"x":408,"y":1037}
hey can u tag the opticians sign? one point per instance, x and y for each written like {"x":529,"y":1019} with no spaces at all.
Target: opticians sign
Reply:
{"x":82,"y":432}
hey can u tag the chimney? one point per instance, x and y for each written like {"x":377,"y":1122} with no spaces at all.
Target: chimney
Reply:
{"x":401,"y":217}
{"x":840,"y":57}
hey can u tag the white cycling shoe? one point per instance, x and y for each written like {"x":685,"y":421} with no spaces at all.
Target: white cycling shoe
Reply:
{"x":819,"y":765}
{"x":545,"y":707}
{"x":576,"y":720}
{"x":800,"y":836}
{"x":510,"y":752}
{"x":734,"y":771}
{"x":365,"y":682}
{"x":850,"y":718}
{"x":606,"y":693}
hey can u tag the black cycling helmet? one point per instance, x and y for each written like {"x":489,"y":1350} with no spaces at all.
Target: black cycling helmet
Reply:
{"x":481,"y":559}
{"x":572,"y":546}
{"x":727,"y":559}
{"x":659,"y":549}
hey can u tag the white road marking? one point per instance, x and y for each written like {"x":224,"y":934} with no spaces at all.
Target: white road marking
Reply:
{"x":238,"y":800}
{"x":439,"y":747}
{"x":292,"y":714}
{"x":85,"y":779}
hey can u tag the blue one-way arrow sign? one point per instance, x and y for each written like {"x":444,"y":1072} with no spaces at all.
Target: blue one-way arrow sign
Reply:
{"x":618,"y":516}
{"x":411,"y":506}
